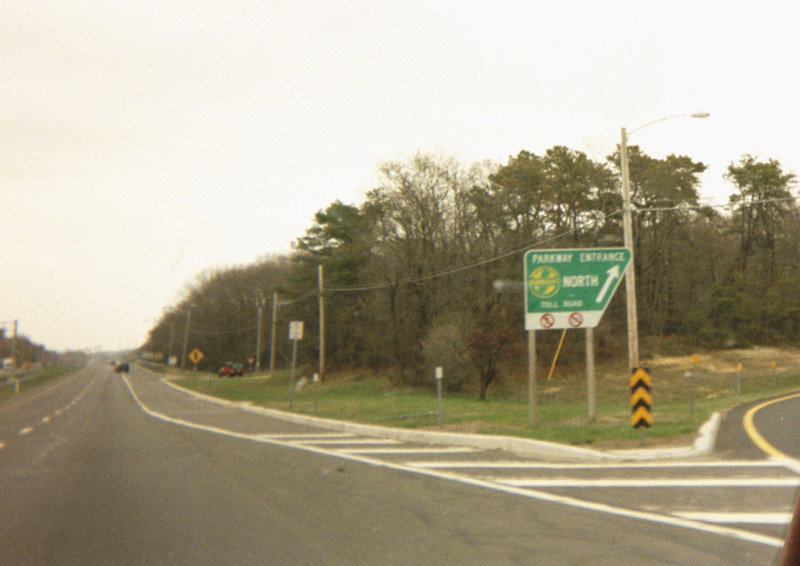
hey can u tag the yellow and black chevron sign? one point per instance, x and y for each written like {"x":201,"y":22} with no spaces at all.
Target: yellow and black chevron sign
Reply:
{"x":641,"y":400}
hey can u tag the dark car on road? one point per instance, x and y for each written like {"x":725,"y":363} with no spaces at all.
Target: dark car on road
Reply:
{"x":122,"y":367}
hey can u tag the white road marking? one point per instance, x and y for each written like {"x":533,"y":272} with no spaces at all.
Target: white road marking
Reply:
{"x":738,"y":518}
{"x":45,"y":419}
{"x":511,"y":464}
{"x":651,"y":517}
{"x":663,"y":482}
{"x":345,"y":441}
{"x":401,"y":450}
{"x":789,"y":463}
{"x":305,"y":436}
{"x":26,"y":430}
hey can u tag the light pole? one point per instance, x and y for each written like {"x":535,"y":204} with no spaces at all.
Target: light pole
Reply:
{"x":627,"y":227}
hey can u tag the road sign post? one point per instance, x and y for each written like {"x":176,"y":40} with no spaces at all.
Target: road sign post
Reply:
{"x":569,"y":288}
{"x":439,"y":375}
{"x":295,"y":334}
{"x":195,"y":356}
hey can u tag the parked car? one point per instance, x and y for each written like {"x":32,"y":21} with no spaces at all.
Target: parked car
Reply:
{"x":231,"y":369}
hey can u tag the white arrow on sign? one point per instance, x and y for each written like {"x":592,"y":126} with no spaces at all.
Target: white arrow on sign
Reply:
{"x":613,"y":273}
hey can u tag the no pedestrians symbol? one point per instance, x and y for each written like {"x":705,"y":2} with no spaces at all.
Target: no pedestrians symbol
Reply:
{"x":575,"y":320}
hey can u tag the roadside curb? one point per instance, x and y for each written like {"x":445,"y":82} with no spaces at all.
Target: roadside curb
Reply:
{"x":703,"y":445}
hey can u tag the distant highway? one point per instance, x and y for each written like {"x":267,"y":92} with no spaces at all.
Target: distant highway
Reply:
{"x":99,"y":468}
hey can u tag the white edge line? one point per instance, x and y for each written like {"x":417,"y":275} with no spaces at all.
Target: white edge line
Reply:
{"x":530,"y":494}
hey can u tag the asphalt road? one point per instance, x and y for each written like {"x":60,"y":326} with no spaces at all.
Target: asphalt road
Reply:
{"x":97,"y":468}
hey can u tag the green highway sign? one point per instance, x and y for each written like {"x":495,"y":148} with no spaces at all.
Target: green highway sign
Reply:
{"x":571,"y":288}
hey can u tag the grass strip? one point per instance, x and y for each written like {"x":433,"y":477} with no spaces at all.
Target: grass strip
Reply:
{"x":562,"y":409}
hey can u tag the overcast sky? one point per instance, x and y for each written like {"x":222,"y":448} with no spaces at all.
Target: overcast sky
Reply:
{"x":142,"y":142}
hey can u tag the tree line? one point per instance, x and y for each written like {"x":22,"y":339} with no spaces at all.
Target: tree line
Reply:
{"x":427,"y":270}
{"x":20,"y":352}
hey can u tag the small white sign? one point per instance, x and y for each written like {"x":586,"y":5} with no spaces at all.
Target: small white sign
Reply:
{"x":439,"y":372}
{"x":296,"y":330}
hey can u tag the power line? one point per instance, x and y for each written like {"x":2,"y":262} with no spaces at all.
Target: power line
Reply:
{"x":539,"y":243}
{"x":219,"y":332}
{"x":728,"y":205}
{"x":447,"y":272}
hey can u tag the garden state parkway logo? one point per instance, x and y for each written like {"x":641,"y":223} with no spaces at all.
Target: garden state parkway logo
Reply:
{"x":544,"y":282}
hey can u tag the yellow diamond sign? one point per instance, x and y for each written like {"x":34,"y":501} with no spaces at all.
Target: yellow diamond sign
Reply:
{"x":195,"y":356}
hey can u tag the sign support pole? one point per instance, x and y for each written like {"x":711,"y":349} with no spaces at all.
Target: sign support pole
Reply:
{"x":295,"y":334}
{"x":590,"y":374}
{"x":291,"y":374}
{"x":439,"y":375}
{"x":532,"y":377}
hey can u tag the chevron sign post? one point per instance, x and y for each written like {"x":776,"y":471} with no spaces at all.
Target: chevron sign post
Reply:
{"x":641,"y":400}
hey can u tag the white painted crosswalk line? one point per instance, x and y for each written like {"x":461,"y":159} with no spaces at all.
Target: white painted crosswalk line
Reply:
{"x":737,"y":518}
{"x":344,"y":441}
{"x":408,"y":450}
{"x":647,"y":483}
{"x":304,"y":436}
{"x":514,"y":464}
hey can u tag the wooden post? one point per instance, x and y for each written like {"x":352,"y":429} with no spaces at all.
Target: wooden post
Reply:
{"x":532,"y":377}
{"x":272,"y":337}
{"x":321,"y":327}
{"x":590,"y":374}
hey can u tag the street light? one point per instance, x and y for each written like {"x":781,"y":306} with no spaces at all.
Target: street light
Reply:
{"x":627,"y":226}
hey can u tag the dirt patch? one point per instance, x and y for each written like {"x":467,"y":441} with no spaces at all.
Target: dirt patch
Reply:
{"x":727,"y":361}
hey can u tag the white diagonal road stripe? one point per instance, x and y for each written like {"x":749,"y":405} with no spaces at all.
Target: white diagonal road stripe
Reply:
{"x":645,"y":483}
{"x":738,"y":518}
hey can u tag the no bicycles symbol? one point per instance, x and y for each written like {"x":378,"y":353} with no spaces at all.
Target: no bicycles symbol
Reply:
{"x":547,"y":320}
{"x":575,"y":319}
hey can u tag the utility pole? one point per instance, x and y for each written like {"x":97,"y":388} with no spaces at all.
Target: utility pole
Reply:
{"x":169,"y":345}
{"x":14,"y":345}
{"x":272,"y":336}
{"x":627,"y":226}
{"x":185,"y":337}
{"x":630,"y":272}
{"x":258,"y":335}
{"x":321,"y":327}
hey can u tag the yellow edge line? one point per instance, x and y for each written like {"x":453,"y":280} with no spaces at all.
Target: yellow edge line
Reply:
{"x":753,"y":433}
